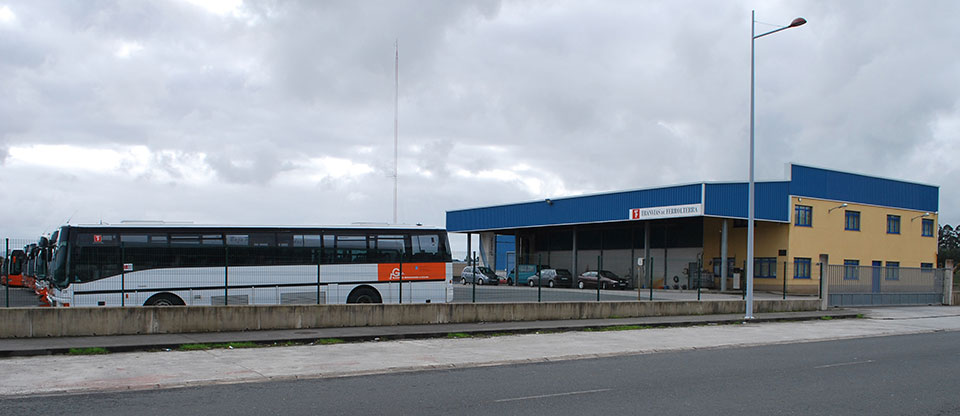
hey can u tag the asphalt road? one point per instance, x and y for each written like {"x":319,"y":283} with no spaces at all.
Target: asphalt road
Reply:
{"x":893,"y":375}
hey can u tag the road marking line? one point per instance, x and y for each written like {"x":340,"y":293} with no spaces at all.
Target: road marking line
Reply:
{"x":552,"y":395}
{"x":843,"y":364}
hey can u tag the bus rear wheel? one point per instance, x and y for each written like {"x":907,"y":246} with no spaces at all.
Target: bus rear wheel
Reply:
{"x":164,"y":299}
{"x":364,"y":295}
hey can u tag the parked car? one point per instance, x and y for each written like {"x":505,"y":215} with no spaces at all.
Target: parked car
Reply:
{"x":551,"y":278}
{"x":526,"y":270}
{"x":608,"y":280}
{"x":481,"y":274}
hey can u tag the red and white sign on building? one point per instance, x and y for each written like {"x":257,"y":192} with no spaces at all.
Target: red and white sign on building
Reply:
{"x":97,"y":238}
{"x":673,"y":211}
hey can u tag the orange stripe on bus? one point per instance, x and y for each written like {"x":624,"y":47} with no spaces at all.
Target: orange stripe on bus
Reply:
{"x":411,"y":271}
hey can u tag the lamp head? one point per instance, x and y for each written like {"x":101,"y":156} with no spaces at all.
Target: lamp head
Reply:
{"x":798,"y":22}
{"x":843,"y":205}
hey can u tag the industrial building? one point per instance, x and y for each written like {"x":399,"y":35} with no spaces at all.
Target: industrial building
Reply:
{"x":816,"y":216}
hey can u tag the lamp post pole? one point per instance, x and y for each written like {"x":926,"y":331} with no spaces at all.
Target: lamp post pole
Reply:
{"x":750,"y":204}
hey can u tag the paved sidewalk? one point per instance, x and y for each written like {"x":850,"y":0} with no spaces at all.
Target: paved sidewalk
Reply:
{"x":63,"y":374}
{"x":60,"y":374}
{"x":122,"y":343}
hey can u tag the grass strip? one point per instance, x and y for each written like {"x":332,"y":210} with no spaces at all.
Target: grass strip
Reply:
{"x":88,"y":351}
{"x":229,"y":345}
{"x":617,"y":328}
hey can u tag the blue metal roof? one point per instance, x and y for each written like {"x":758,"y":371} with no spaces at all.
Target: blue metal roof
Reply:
{"x":718,"y":199}
{"x":771,"y":200}
{"x":850,"y":187}
{"x":574,"y":210}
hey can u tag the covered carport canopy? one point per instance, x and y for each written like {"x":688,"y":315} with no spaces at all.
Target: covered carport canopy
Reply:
{"x":611,"y":230}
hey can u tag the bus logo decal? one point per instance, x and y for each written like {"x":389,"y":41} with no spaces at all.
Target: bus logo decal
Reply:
{"x":411,"y":271}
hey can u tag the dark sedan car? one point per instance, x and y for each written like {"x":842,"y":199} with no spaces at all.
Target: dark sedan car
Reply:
{"x":551,"y":278}
{"x":608,"y":280}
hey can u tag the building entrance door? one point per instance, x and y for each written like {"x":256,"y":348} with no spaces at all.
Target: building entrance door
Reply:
{"x":876,"y":272}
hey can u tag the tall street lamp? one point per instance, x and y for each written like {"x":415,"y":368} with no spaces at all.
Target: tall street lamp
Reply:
{"x":750,"y":215}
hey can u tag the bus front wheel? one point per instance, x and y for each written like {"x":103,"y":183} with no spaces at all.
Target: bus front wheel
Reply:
{"x":164,"y":299}
{"x":364,"y":294}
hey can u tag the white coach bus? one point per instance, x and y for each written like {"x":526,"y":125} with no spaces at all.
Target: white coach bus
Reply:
{"x":163,"y":264}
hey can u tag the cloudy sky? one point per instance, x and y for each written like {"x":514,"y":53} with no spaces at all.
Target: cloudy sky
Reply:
{"x":282,"y":112}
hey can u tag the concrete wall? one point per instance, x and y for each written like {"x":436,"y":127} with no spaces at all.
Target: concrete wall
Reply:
{"x":58,"y":322}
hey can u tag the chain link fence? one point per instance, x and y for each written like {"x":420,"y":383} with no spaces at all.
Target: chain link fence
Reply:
{"x":677,"y":278}
{"x":130,"y":274}
{"x":18,"y":272}
{"x":856,"y":285}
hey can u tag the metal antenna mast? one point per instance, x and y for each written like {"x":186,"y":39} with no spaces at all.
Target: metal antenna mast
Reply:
{"x":396,"y":126}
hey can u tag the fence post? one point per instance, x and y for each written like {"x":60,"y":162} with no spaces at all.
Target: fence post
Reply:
{"x":699,"y":277}
{"x":319,"y":253}
{"x":650,"y":277}
{"x":226,"y":275}
{"x":123,"y":275}
{"x":401,"y":277}
{"x":473,"y":269}
{"x":539,"y":280}
{"x":6,"y":261}
{"x":784,"y":280}
{"x":948,"y":282}
{"x":824,"y":287}
{"x":599,"y":267}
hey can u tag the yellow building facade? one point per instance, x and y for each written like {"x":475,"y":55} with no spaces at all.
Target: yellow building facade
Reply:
{"x":839,"y":232}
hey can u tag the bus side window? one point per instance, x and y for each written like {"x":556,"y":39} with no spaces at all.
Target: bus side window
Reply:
{"x":304,"y":250}
{"x":426,"y":247}
{"x":329,"y":252}
{"x":388,"y":248}
{"x":284,"y":240}
{"x":351,"y":249}
{"x":133,"y":239}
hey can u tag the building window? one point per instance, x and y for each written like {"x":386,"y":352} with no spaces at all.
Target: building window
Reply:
{"x":927,"y":228}
{"x":717,"y":265}
{"x":765,"y":267}
{"x":893,"y":224}
{"x":926,"y":265}
{"x":851,"y":270}
{"x":801,"y":267}
{"x":893,"y":270}
{"x":853,"y":221}
{"x":803,"y":216}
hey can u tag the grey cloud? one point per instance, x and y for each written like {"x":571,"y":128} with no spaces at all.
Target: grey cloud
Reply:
{"x":254,"y":166}
{"x":599,"y":96}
